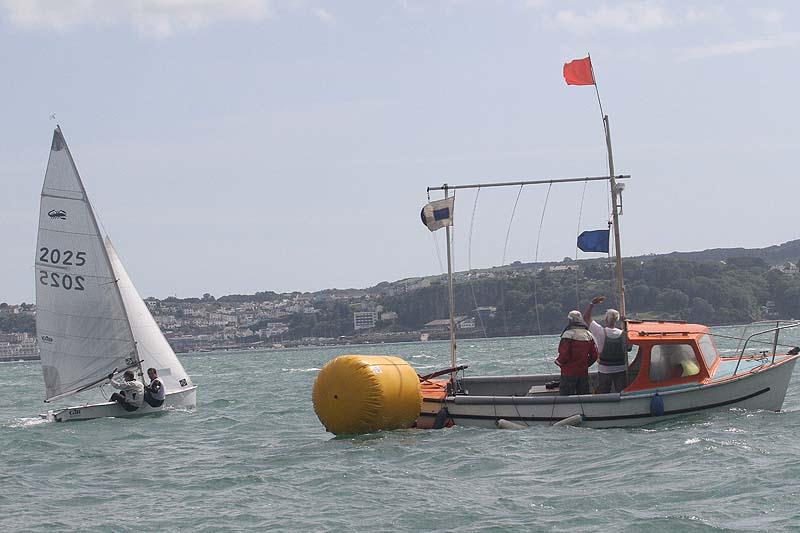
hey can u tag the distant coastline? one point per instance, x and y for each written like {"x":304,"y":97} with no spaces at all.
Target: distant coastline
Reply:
{"x":723,"y":286}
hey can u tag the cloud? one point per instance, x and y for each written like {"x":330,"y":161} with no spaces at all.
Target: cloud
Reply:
{"x":627,"y":16}
{"x":782,"y":40}
{"x":634,"y":17}
{"x":159,"y":18}
{"x":323,"y":15}
{"x":767,"y":16}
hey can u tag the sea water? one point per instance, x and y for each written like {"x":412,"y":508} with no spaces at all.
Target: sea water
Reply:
{"x":253,"y":456}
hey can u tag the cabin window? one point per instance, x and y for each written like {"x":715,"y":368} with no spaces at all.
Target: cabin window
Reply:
{"x":708,"y":350}
{"x":670,"y":361}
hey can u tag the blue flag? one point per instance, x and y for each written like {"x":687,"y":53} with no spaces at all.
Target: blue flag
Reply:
{"x":593,"y":241}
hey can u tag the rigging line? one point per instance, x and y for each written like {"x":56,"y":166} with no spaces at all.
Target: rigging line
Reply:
{"x":511,"y":221}
{"x":453,"y":243}
{"x":754,"y":341}
{"x":469,"y":262}
{"x":436,"y":243}
{"x":602,"y":113}
{"x":505,"y":250}
{"x":577,"y":233}
{"x":438,"y":253}
{"x":612,"y":282}
{"x":536,"y":262}
{"x":744,"y":332}
{"x":597,"y":91}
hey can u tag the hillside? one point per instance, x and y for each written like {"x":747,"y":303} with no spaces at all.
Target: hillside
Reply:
{"x":715,"y":287}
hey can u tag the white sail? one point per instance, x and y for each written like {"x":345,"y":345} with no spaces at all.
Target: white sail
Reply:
{"x":81,"y":324}
{"x":153,"y":349}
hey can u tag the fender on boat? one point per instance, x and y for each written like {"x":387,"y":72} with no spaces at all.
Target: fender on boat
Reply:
{"x":502,"y":423}
{"x":356,"y":394}
{"x":574,"y":420}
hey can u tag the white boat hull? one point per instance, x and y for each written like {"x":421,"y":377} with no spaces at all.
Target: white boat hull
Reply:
{"x":762,"y":389}
{"x":183,"y":399}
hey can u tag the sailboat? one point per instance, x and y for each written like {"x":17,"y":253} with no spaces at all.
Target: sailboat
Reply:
{"x":90,"y":320}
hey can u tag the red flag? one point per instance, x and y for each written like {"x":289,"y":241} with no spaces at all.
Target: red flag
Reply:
{"x":579,"y":72}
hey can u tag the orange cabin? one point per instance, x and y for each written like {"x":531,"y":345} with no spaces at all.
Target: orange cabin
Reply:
{"x":670,"y":354}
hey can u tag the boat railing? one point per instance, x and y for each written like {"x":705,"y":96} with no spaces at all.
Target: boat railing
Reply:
{"x":776,"y":330}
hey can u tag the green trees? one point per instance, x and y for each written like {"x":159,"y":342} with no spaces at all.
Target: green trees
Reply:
{"x":735,"y":290}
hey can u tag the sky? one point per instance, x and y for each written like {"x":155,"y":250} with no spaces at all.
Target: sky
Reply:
{"x":247,"y":145}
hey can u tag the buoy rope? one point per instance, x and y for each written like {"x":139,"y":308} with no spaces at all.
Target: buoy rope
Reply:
{"x":519,"y":415}
{"x":553,"y":410}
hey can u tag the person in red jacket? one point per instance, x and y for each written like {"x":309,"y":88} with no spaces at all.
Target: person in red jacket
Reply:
{"x":577,"y":351}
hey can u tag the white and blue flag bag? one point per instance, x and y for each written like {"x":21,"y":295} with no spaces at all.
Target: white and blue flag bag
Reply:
{"x":438,"y":214}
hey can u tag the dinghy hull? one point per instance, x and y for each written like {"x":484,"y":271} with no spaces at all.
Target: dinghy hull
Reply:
{"x":184,"y":399}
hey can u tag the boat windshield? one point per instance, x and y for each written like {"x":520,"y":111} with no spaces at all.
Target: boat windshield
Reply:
{"x":670,"y":361}
{"x":709,"y":351}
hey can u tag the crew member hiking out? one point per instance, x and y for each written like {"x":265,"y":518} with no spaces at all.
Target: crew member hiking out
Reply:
{"x":131,"y":391}
{"x":154,"y":393}
{"x":577,"y":351}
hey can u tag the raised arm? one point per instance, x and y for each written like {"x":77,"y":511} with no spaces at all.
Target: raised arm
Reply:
{"x":587,"y":314}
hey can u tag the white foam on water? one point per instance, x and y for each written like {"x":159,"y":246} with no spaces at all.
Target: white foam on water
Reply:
{"x":694,"y":440}
{"x":27,"y":422}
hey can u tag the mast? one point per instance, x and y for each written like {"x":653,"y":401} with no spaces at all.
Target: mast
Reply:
{"x":615,"y":209}
{"x":135,"y":354}
{"x":452,"y":301}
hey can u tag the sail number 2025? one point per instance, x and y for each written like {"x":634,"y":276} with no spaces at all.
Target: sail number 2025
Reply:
{"x":62,"y":281}
{"x":54,"y":256}
{"x":59,"y":257}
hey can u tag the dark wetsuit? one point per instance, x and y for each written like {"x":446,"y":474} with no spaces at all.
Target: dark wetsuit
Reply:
{"x":154,"y":393}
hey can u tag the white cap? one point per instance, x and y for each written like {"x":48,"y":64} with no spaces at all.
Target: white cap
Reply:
{"x":575,"y":316}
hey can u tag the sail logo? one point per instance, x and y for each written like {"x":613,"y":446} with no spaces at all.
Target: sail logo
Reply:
{"x":47,"y":338}
{"x":57,"y":214}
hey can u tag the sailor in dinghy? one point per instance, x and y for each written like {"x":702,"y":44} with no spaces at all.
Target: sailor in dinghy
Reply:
{"x":131,"y":391}
{"x":154,"y":393}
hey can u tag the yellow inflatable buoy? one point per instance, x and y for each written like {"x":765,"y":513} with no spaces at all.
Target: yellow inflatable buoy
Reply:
{"x":356,"y":394}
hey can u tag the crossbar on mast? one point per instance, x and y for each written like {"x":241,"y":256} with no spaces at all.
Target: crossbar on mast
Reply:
{"x":531,"y":182}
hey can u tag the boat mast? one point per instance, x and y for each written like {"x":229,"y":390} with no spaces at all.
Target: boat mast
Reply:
{"x":136,"y":358}
{"x":452,"y":301}
{"x":615,"y":206}
{"x":615,"y":209}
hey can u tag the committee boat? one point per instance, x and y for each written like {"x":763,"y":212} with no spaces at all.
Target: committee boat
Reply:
{"x":676,"y":368}
{"x":90,"y":320}
{"x":659,"y":389}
